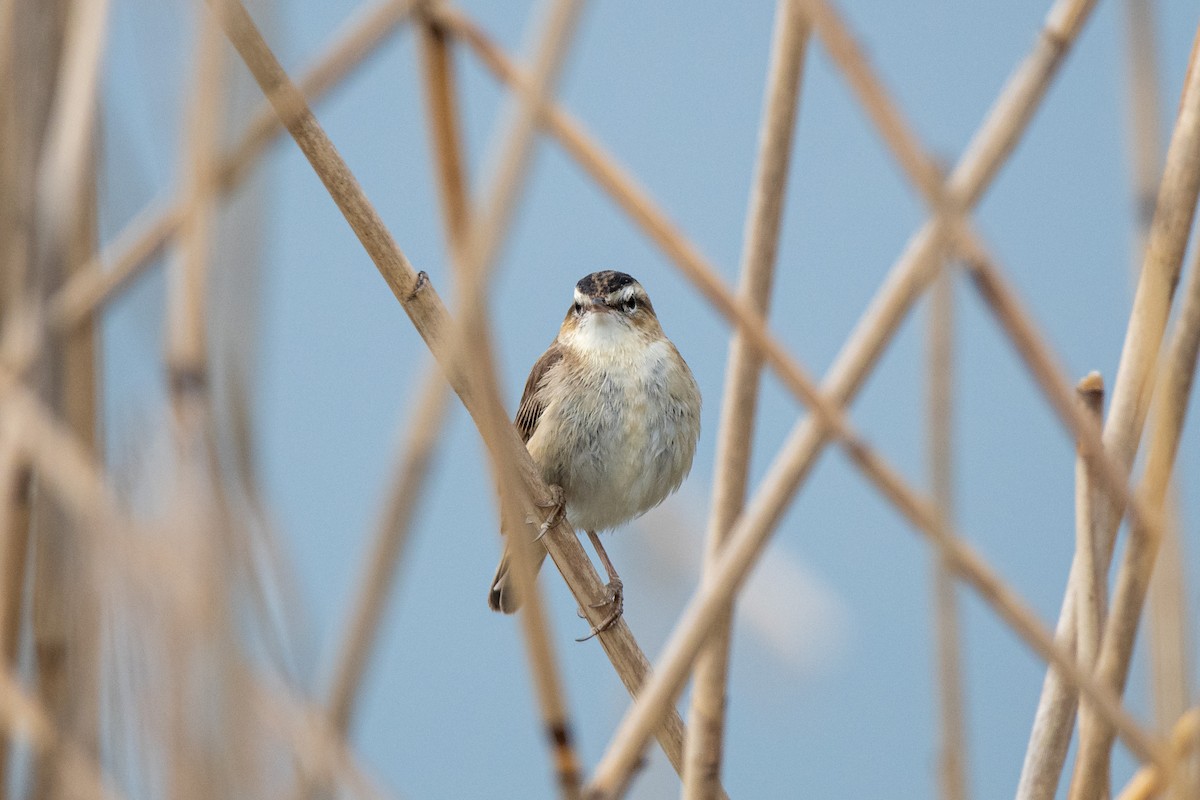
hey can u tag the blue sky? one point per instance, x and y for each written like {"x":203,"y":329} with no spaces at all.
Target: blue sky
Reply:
{"x":841,"y":702}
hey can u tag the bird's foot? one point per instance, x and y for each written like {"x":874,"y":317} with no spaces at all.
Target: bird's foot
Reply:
{"x":556,"y":503}
{"x":614,"y":599}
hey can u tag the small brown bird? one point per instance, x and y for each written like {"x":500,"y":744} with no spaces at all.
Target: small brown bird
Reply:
{"x":611,"y":414}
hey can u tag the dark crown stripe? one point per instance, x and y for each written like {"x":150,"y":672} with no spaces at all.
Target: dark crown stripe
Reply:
{"x":601,"y":284}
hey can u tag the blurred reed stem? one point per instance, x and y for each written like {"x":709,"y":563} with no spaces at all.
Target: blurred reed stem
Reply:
{"x":952,"y":745}
{"x":735,"y":435}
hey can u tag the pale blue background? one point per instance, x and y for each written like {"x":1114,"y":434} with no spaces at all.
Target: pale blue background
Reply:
{"x":674,"y":91}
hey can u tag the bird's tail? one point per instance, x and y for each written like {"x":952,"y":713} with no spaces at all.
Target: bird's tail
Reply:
{"x":503,"y":596}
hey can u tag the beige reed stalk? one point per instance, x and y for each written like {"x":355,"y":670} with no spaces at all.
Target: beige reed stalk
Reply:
{"x":187,"y":298}
{"x":1091,"y":593}
{"x":425,"y":423}
{"x":428,"y":314}
{"x":22,"y":717}
{"x":1144,"y":113}
{"x":1150,"y":781}
{"x":706,"y":719}
{"x":1122,"y":431}
{"x":404,"y":483}
{"x":471,"y":352}
{"x":1170,"y":641}
{"x":1175,"y":378}
{"x":63,"y":611}
{"x":148,"y":234}
{"x":952,"y":747}
{"x":1090,"y":599}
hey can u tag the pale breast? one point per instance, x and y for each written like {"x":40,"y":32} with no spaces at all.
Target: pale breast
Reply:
{"x":618,"y":432}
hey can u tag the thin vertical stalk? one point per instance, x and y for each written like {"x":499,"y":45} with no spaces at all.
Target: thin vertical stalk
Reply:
{"x":952,"y":747}
{"x":1170,"y":645}
{"x":187,"y":335}
{"x":426,"y":421}
{"x":471,"y":347}
{"x":445,"y":131}
{"x":1091,"y":591}
{"x":702,"y":760}
{"x":1144,"y":114}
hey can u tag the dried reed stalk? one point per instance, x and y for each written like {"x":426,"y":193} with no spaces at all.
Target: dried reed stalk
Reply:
{"x":445,"y":132}
{"x":1090,"y":599}
{"x":408,"y":475}
{"x":735,"y":435}
{"x":147,"y":235}
{"x":429,"y":317}
{"x":1170,"y":644}
{"x":1150,"y":781}
{"x":64,"y":220}
{"x":1122,"y":431}
{"x":1144,"y":114}
{"x":425,"y":423}
{"x":1175,"y":377}
{"x":22,"y":717}
{"x":187,"y":298}
{"x":1091,"y":592}
{"x":952,"y":747}
{"x":472,"y":352}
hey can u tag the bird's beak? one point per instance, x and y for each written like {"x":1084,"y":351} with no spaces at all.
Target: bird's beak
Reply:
{"x":596,"y":304}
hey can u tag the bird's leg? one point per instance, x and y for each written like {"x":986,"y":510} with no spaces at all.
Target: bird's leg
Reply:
{"x":556,"y":504}
{"x":614,"y":594}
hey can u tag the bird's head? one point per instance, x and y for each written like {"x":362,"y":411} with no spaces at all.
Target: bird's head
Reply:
{"x":610,"y":309}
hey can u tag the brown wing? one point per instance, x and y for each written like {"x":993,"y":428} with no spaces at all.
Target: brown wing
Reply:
{"x":532,"y":405}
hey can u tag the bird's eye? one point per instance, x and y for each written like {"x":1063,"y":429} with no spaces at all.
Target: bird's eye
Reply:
{"x":630,"y":305}
{"x":577,"y":308}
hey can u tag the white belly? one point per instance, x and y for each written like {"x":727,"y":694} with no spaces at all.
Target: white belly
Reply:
{"x":620,"y":438}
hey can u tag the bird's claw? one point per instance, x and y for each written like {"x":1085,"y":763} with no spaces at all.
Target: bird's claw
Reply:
{"x":556,"y":505}
{"x":614,"y":595}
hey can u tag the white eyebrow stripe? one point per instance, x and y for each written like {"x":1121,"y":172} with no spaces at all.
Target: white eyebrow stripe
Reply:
{"x":580,"y":297}
{"x":626,"y":292}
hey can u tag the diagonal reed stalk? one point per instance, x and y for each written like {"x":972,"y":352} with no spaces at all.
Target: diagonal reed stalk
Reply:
{"x":431,"y":321}
{"x":387,"y":549}
{"x":425,"y":423}
{"x":1149,"y":781}
{"x":736,"y":432}
{"x":472,"y":352}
